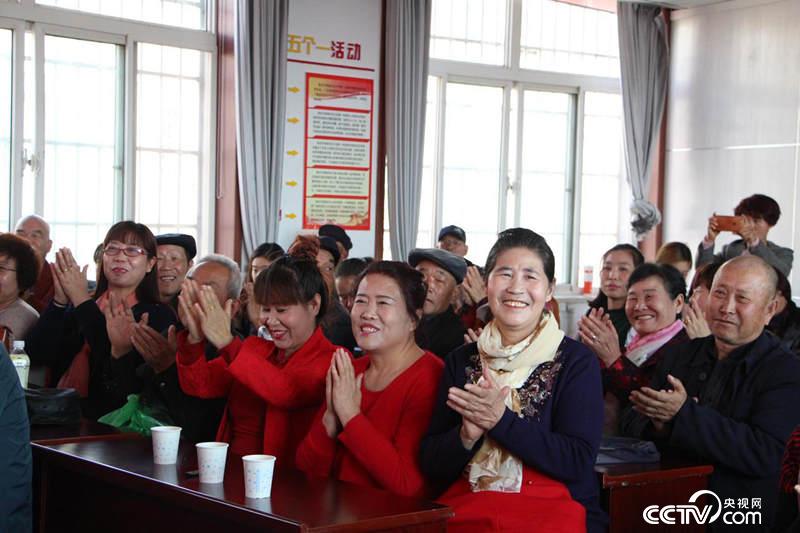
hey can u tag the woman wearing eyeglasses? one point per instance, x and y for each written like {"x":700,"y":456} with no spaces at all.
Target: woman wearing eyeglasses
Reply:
{"x":86,"y":340}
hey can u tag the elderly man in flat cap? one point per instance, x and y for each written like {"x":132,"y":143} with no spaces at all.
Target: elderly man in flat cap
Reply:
{"x":176,"y":253}
{"x":440,"y":330}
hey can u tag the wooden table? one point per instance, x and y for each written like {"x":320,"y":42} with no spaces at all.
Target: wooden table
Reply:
{"x":626,"y":489}
{"x":85,"y":430}
{"x":113,"y":484}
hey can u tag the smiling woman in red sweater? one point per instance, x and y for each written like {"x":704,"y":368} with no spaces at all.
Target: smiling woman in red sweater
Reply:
{"x":378,"y":406}
{"x":274,"y":388}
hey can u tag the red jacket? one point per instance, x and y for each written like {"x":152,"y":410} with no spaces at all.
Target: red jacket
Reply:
{"x":380,"y":446}
{"x":292,"y":393}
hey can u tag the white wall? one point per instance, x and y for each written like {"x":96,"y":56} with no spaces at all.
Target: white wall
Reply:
{"x":734,"y":116}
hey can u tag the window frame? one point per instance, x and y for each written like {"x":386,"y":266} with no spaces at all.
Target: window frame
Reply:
{"x":27,"y":16}
{"x":513,"y":78}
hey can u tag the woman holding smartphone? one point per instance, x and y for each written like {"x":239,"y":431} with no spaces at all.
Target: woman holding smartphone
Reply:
{"x":755,"y":216}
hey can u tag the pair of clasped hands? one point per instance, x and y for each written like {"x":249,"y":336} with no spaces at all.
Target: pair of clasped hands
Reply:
{"x":660,"y":406}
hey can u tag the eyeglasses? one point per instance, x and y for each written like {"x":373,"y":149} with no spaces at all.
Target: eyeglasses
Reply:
{"x":4,"y":268}
{"x":130,"y":251}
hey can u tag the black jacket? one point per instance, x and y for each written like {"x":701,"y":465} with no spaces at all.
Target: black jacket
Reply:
{"x":746,"y":408}
{"x":59,"y":336}
{"x":162,"y":395}
{"x":442,"y":333}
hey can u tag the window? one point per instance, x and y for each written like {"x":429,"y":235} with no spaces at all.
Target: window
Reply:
{"x":604,"y":217}
{"x":562,"y":37}
{"x":524,"y":128}
{"x":184,"y":13}
{"x":112,"y":123}
{"x":82,"y":152}
{"x":469,"y":30}
{"x":5,"y":126}
{"x":470,"y":193}
{"x":172,"y":131}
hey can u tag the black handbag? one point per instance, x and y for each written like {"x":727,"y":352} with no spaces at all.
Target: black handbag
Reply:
{"x":53,"y":406}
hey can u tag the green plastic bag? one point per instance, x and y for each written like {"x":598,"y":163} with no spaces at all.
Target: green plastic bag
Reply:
{"x":131,"y":417}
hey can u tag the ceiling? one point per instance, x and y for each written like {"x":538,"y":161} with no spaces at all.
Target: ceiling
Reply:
{"x":680,"y":4}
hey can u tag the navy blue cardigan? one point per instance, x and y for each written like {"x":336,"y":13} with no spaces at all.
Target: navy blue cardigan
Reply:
{"x":561,"y":442}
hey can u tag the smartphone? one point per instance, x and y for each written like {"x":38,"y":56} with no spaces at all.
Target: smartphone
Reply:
{"x":729,"y":223}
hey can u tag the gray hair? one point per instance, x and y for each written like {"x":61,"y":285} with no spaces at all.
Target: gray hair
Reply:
{"x":234,"y":274}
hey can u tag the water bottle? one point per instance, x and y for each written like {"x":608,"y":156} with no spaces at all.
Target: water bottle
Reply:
{"x":21,"y":362}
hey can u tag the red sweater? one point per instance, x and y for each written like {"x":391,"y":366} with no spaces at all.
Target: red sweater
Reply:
{"x":288,"y":396}
{"x":380,"y":446}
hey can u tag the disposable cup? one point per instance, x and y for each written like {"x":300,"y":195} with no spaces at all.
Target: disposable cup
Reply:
{"x":165,"y":444}
{"x":211,"y":461}
{"x":258,"y":470}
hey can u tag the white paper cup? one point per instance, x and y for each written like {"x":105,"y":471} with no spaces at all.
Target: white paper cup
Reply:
{"x":165,"y":444}
{"x":258,"y":470}
{"x":211,"y":461}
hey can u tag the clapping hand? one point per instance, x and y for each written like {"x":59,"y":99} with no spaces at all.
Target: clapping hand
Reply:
{"x":474,"y":286}
{"x":481,"y":404}
{"x":598,"y":333}
{"x":70,"y":279}
{"x":695,"y":320}
{"x":157,"y":352}
{"x":120,"y":325}
{"x":214,"y":320}
{"x":660,"y":406}
{"x":186,"y":307}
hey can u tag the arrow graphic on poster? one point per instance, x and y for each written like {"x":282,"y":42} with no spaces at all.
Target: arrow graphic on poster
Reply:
{"x":294,"y":89}
{"x":293,"y":120}
{"x":291,"y":183}
{"x":291,"y":215}
{"x":292,"y":152}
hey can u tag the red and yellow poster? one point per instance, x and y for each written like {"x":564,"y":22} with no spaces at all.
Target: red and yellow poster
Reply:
{"x":338,"y":151}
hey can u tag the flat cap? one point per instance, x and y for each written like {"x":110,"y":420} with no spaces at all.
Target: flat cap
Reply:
{"x":336,"y":233}
{"x":186,"y":242}
{"x":329,"y":244}
{"x":455,"y":231}
{"x":455,"y":265}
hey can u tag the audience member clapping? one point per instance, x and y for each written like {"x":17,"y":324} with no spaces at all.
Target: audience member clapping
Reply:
{"x":378,"y":407}
{"x":694,"y":313}
{"x":729,"y":399}
{"x":518,"y":416}
{"x":273,"y":388}
{"x":654,"y":302}
{"x":86,"y":340}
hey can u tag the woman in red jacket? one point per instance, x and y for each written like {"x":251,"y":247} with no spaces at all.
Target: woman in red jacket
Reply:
{"x":274,"y":388}
{"x":378,"y":406}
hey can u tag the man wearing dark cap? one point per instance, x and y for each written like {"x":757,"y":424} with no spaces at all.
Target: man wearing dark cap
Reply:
{"x":440,"y":330}
{"x":343,"y":242}
{"x":176,"y":252}
{"x":454,"y":240}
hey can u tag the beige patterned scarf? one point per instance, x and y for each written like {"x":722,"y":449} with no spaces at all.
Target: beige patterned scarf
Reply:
{"x":493,"y":467}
